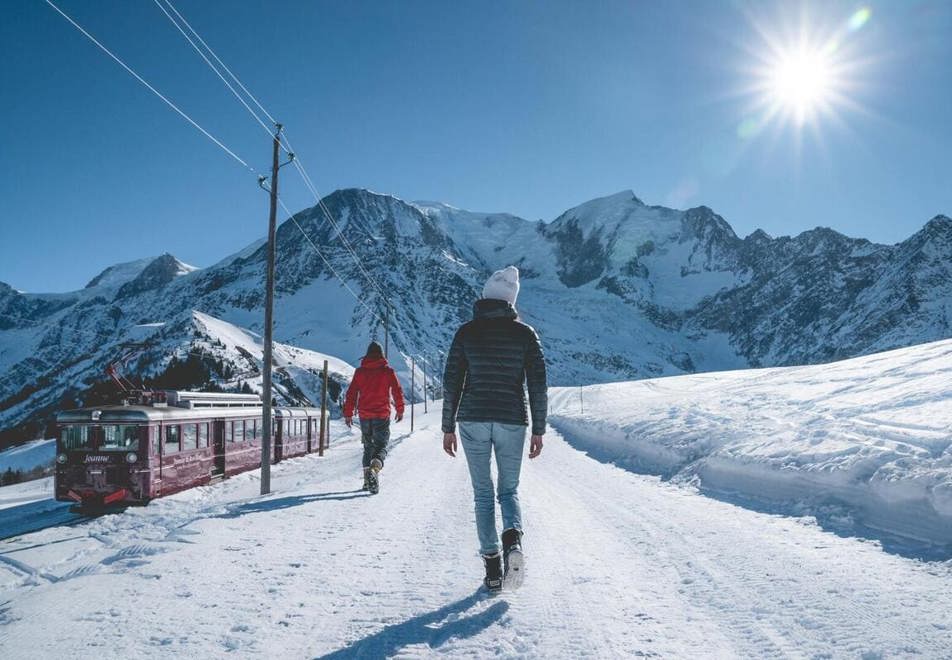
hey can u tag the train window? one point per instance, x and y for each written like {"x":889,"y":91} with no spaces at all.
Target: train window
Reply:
{"x":240,"y":431}
{"x":75,"y":437}
{"x":249,"y":430}
{"x":203,"y":435}
{"x":189,"y":436}
{"x":119,"y":437}
{"x":173,"y":439}
{"x":229,"y":436}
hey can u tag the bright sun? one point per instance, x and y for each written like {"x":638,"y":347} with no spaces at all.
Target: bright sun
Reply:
{"x":801,"y":82}
{"x":804,"y":69}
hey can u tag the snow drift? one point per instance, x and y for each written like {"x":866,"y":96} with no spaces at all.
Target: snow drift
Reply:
{"x":864,"y":444}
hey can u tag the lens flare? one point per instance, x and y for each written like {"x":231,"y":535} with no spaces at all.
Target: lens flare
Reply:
{"x":858,"y":19}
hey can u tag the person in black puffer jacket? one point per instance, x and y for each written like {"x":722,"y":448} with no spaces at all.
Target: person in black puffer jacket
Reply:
{"x":491,"y":362}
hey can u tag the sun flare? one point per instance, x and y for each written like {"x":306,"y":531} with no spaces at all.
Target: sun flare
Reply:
{"x":801,"y":82}
{"x":805,"y":72}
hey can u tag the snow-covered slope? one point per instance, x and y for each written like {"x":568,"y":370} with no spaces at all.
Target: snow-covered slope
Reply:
{"x":620,"y":565}
{"x":28,"y":456}
{"x":189,"y":349}
{"x":864,"y":444}
{"x":617,"y":289}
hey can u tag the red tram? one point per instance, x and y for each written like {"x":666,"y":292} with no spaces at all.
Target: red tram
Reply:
{"x":160,"y":443}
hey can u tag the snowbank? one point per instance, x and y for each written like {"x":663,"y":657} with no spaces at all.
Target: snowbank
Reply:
{"x":863,"y":444}
{"x":27,"y":492}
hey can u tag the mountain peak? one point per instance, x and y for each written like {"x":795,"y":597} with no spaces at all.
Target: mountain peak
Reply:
{"x":119,"y":274}
{"x":625,"y":195}
{"x":159,"y":272}
{"x":940,"y":223}
{"x":602,"y":211}
{"x":758,"y":236}
{"x":936,"y":232}
{"x":701,"y":221}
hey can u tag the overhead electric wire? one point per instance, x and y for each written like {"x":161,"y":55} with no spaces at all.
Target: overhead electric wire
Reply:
{"x":230,"y":152}
{"x":286,"y":145}
{"x":340,"y":234}
{"x":223,"y":65}
{"x":198,"y":50}
{"x":150,"y":87}
{"x":326,"y":262}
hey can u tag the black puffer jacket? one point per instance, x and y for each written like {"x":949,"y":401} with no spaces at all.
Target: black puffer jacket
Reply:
{"x":492,"y":358}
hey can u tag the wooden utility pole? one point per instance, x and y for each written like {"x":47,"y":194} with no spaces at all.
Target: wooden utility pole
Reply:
{"x":268,"y":318}
{"x":324,"y":429}
{"x":412,"y":393}
{"x":423,"y":357}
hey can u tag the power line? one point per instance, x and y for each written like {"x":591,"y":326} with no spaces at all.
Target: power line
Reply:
{"x":198,"y":50}
{"x":340,"y":234}
{"x":150,"y":87}
{"x":324,"y":259}
{"x":223,"y":65}
{"x":308,"y":182}
{"x":305,"y":176}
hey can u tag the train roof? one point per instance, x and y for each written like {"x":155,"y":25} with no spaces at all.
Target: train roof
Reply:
{"x":145,"y":414}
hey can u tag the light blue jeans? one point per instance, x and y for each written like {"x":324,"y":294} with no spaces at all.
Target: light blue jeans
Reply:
{"x":479,"y":439}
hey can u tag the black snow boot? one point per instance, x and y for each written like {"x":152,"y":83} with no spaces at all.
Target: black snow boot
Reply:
{"x":513,"y":559}
{"x":493,"y":579}
{"x":366,"y":479}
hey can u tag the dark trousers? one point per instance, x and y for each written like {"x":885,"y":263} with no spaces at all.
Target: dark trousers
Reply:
{"x":375,"y":434}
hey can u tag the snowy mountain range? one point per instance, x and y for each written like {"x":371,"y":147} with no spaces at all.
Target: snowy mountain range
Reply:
{"x":617,"y":289}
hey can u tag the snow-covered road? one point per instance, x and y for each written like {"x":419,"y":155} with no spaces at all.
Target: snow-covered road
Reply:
{"x":620,"y":565}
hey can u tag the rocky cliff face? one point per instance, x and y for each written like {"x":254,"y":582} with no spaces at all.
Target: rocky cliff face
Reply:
{"x":616,"y":288}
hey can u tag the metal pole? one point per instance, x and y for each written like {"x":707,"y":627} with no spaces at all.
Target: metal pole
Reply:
{"x":581,"y":402}
{"x":412,"y":385}
{"x":423,"y":357}
{"x":324,"y":429}
{"x":268,"y":319}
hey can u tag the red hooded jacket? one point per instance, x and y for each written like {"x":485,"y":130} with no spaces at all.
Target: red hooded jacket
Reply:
{"x":373,"y":383}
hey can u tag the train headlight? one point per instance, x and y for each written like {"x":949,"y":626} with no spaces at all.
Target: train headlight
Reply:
{"x":61,"y":459}
{"x":131,"y":457}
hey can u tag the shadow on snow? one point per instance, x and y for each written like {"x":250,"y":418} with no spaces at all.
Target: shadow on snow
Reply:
{"x":279,"y":503}
{"x":425,"y":629}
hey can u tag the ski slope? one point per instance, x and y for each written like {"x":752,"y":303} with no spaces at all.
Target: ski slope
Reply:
{"x":620,"y":565}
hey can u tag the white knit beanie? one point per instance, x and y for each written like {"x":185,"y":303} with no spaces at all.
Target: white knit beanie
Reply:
{"x":503,"y":285}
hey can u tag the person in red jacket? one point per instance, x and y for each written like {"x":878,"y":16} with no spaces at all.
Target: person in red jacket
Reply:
{"x":371,"y":389}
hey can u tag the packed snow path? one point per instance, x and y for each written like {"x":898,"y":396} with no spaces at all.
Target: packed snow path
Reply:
{"x":620,"y":565}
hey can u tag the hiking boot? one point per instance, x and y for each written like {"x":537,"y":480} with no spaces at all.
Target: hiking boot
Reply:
{"x":493,"y":579}
{"x":366,"y":479}
{"x":513,"y":559}
{"x":373,"y":483}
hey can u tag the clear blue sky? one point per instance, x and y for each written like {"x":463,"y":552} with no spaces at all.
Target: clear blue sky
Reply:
{"x":529,"y":107}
